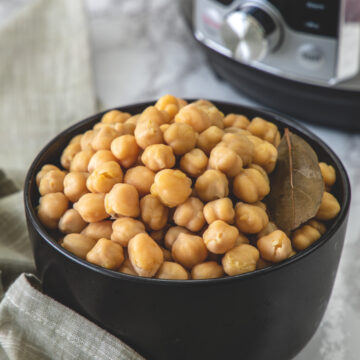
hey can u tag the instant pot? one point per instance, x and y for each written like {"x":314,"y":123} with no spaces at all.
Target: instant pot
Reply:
{"x":300,"y":57}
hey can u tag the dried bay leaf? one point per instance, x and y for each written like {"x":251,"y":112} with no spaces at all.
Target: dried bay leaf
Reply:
{"x":296,"y":184}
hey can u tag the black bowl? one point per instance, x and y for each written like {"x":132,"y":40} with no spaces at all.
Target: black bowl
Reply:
{"x":266,"y":314}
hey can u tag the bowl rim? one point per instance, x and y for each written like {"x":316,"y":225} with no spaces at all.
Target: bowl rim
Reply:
{"x":284,"y":119}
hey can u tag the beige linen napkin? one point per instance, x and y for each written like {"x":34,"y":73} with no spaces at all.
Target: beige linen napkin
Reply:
{"x":45,"y":84}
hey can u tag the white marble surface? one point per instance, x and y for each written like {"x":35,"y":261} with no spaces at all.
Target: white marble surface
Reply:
{"x":142,"y":49}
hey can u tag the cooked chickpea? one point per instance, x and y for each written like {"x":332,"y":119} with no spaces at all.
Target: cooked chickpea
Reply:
{"x":194,"y":116}
{"x":115,"y":116}
{"x":78,"y":244}
{"x":181,"y":137}
{"x":127,"y":268}
{"x":225,"y":160}
{"x":262,"y":264}
{"x":172,"y":271}
{"x":75,"y":185}
{"x":304,"y":237}
{"x":240,"y":259}
{"x":328,"y":173}
{"x":241,"y":239}
{"x":76,"y":139}
{"x":91,"y":207}
{"x":126,"y":228}
{"x":236,"y":120}
{"x":153,"y":213}
{"x":274,"y":247}
{"x":189,"y":250}
{"x":269,"y":228}
{"x":98,"y":230}
{"x":215,"y":115}
{"x":125,"y":149}
{"x":264,"y":130}
{"x":221,"y":209}
{"x":158,"y":157}
{"x":81,"y":160}
{"x":43,"y":171}
{"x":250,"y":186}
{"x":194,"y":163}
{"x":265,"y":155}
{"x":148,"y":133}
{"x":51,"y":208}
{"x":209,"y":138}
{"x":170,"y":104}
{"x":190,"y":214}
{"x":220,"y":237}
{"x":68,"y":154}
{"x":122,"y":200}
{"x":172,"y":187}
{"x":319,"y":226}
{"x":145,"y":255}
{"x":86,"y":139}
{"x":329,"y":207}
{"x":71,"y":222}
{"x":241,"y":145}
{"x":51,"y":182}
{"x":107,"y":254}
{"x":133,"y":119}
{"x":141,"y":177}
{"x":153,"y":115}
{"x":125,"y":128}
{"x":172,"y":234}
{"x":99,"y":158}
{"x":159,"y":235}
{"x":212,"y":185}
{"x":207,"y":270}
{"x":235,"y":130}
{"x":104,"y":177}
{"x":250,"y":219}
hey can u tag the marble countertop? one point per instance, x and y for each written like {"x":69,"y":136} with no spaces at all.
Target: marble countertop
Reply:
{"x":142,"y":49}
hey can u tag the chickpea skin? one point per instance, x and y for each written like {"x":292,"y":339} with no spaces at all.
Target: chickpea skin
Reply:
{"x":215,"y":115}
{"x":181,"y":137}
{"x":127,"y":268}
{"x":304,"y":237}
{"x":207,"y":270}
{"x":81,"y":160}
{"x":240,"y":259}
{"x":250,"y":186}
{"x":51,"y":208}
{"x":241,"y":239}
{"x":329,"y":207}
{"x":269,"y":228}
{"x":107,"y":254}
{"x":103,"y":138}
{"x":265,"y":130}
{"x":209,"y":138}
{"x":225,"y":160}
{"x":126,"y":150}
{"x":265,"y":155}
{"x":115,"y":116}
{"x":190,"y":214}
{"x":122,"y":200}
{"x":71,"y":222}
{"x":328,"y":173}
{"x":236,"y":120}
{"x":68,"y":154}
{"x":189,"y":250}
{"x":275,"y":247}
{"x":221,"y":209}
{"x":172,"y":234}
{"x":170,"y":104}
{"x":44,"y":170}
{"x":78,"y":244}
{"x":153,"y":213}
{"x":76,"y":139}
{"x":148,"y":133}
{"x":194,"y":163}
{"x":86,"y":139}
{"x":172,"y":271}
{"x":172,"y":187}
{"x":319,"y":226}
{"x":241,"y":145}
{"x":52,"y":182}
{"x":104,"y":177}
{"x":158,"y":157}
{"x":250,"y":219}
{"x":126,"y":228}
{"x":98,"y":230}
{"x":154,"y":115}
{"x":99,"y":158}
{"x":212,"y":185}
{"x":194,"y":116}
{"x":125,"y":128}
{"x":145,"y":255}
{"x":141,"y":177}
{"x":75,"y":185}
{"x":220,"y":237}
{"x":91,"y":207}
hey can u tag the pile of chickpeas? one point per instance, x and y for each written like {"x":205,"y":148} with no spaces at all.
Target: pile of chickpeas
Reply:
{"x":174,"y":193}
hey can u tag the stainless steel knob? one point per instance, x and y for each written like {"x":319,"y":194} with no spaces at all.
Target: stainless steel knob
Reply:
{"x":250,"y":33}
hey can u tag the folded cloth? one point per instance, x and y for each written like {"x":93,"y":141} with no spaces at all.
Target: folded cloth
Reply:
{"x":33,"y":326}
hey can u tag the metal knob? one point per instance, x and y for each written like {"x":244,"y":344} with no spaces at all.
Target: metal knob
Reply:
{"x":250,"y":33}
